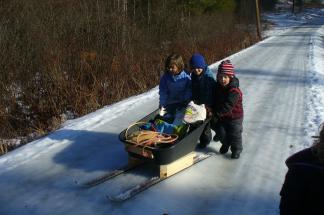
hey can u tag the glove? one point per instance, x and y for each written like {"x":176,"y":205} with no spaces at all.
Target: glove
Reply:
{"x":162,"y":111}
{"x":209,"y":111}
{"x":213,"y":121}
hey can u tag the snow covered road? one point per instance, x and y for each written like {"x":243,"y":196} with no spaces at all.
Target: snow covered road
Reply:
{"x":40,"y":178}
{"x":273,"y":78}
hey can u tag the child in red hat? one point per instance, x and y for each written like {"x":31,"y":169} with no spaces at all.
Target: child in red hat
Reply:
{"x":227,"y":110}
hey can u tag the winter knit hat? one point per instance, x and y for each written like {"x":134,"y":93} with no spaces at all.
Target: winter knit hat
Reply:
{"x":197,"y":61}
{"x":226,"y":67}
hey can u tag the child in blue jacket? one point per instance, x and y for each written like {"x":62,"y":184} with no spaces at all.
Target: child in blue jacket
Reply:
{"x":203,"y":85}
{"x":175,"y":85}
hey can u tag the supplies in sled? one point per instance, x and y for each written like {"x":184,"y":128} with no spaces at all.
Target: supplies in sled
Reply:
{"x":153,"y":138}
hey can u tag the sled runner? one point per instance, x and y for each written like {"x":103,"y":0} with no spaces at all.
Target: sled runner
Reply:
{"x":165,"y":153}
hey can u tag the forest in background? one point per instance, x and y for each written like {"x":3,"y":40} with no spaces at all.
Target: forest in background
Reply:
{"x":65,"y":58}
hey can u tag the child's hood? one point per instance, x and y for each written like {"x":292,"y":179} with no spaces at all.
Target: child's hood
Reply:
{"x":179,"y":76}
{"x":197,"y":61}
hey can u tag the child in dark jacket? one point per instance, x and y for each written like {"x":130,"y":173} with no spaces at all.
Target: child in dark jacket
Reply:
{"x":203,"y":88}
{"x":175,"y":85}
{"x":303,"y":188}
{"x":227,"y":119}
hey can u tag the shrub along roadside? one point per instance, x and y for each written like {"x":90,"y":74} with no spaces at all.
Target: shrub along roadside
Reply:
{"x":69,"y":57}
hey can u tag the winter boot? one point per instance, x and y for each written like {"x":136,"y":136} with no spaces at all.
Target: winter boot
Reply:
{"x":216,"y":138}
{"x":202,"y":145}
{"x":223,"y":149}
{"x":235,"y":155}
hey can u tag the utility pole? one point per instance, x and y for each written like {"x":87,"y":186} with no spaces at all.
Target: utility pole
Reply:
{"x":293,"y":6}
{"x":258,"y":18}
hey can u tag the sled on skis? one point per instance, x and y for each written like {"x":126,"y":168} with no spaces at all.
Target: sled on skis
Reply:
{"x":161,"y":153}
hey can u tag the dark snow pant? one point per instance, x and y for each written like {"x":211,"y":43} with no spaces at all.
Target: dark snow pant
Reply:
{"x":206,"y":135}
{"x":230,"y":133}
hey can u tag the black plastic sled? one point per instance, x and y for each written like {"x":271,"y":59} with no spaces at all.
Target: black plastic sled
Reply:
{"x":168,"y":153}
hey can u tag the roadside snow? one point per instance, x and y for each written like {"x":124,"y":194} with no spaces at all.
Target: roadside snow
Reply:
{"x":315,"y":82}
{"x":283,"y":22}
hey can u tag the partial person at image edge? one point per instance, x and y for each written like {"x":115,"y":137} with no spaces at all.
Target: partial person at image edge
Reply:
{"x":303,"y":188}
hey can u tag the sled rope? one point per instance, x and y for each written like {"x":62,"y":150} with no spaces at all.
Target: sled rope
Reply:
{"x":146,"y":138}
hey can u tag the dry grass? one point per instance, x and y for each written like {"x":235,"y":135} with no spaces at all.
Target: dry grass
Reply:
{"x":77,"y":56}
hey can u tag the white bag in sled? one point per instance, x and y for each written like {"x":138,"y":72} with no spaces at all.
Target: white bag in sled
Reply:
{"x":194,"y":113}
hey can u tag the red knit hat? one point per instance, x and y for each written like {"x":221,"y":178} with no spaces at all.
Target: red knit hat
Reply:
{"x":226,"y":67}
